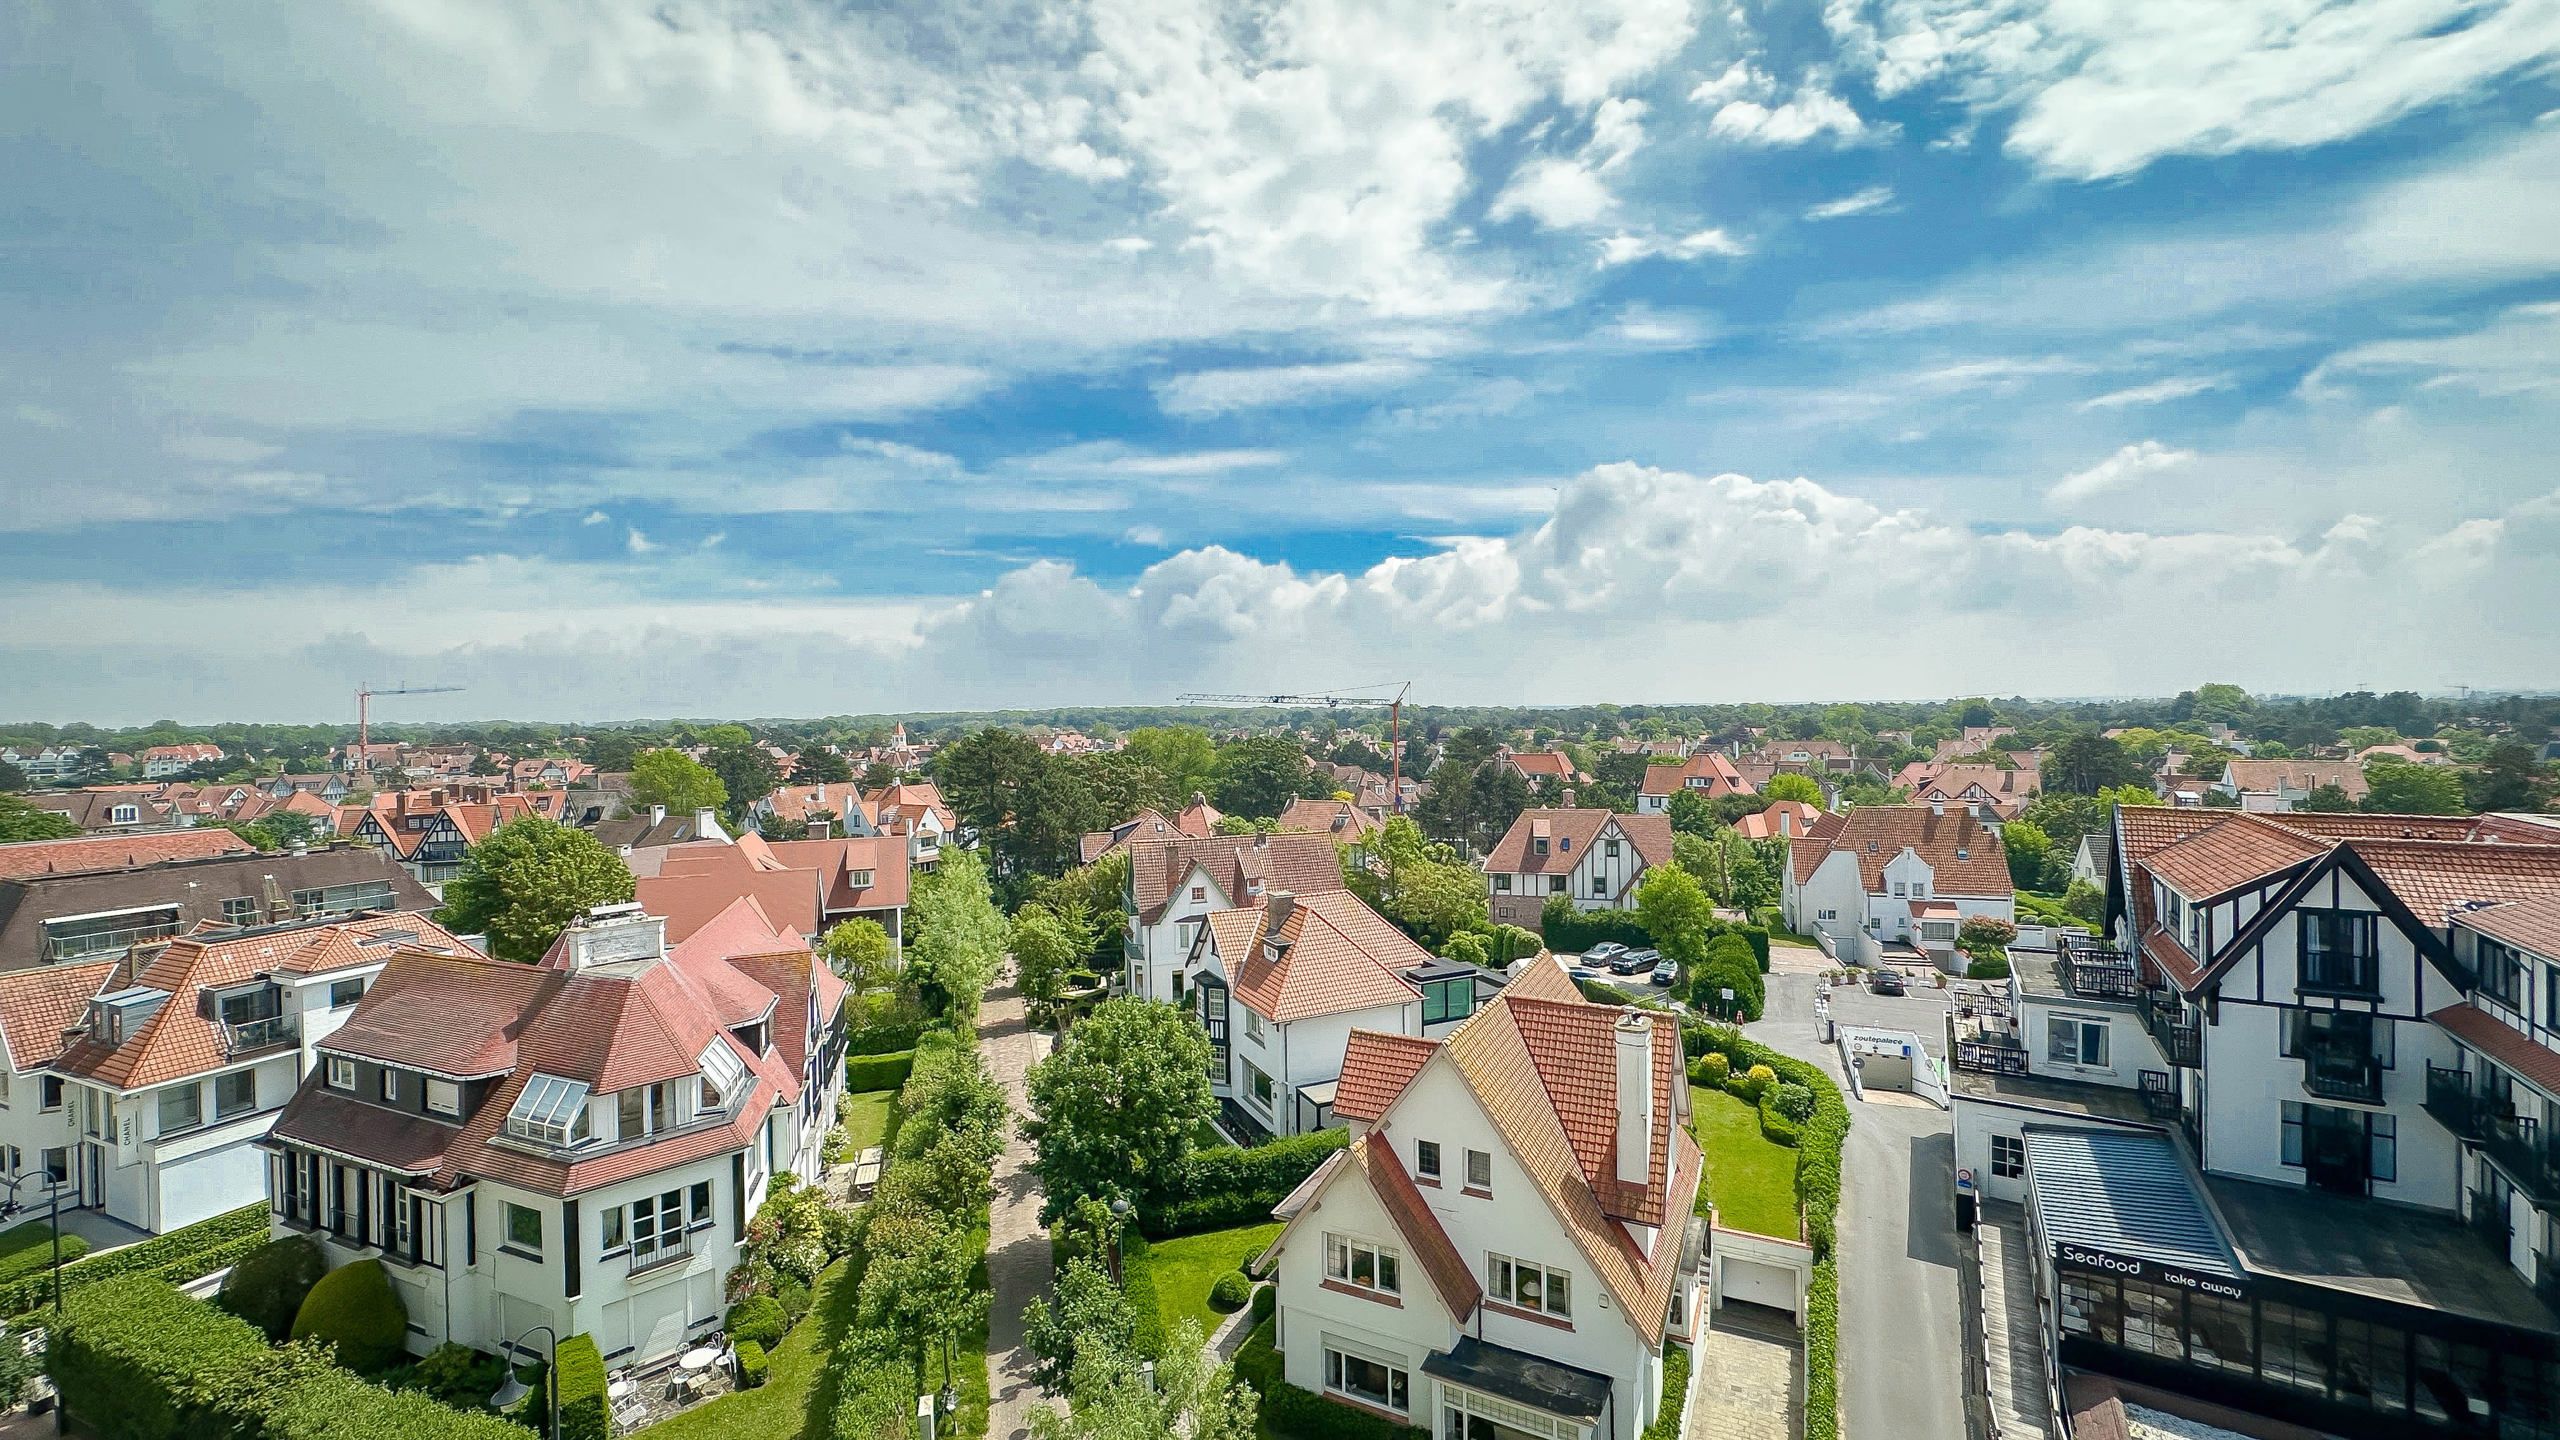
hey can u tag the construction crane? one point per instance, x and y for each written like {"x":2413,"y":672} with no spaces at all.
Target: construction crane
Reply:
{"x":1335,"y":700}
{"x":364,"y":712}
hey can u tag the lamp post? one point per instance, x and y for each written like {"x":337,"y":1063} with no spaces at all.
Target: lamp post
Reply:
{"x":511,"y":1393}
{"x":1119,"y":1222}
{"x":53,"y":1213}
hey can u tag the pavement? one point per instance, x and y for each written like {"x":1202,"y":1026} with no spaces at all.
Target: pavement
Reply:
{"x":1749,"y":1381}
{"x":1901,"y":1331}
{"x":1018,"y":1260}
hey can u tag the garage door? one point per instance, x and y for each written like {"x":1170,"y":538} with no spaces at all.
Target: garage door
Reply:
{"x":1760,"y":1284}
{"x":657,"y":1322}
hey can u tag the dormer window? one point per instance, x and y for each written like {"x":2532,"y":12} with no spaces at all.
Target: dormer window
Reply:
{"x":859,"y":879}
{"x":724,"y":1076}
{"x":552,"y":1111}
{"x":1539,"y":845}
{"x":123,"y":815}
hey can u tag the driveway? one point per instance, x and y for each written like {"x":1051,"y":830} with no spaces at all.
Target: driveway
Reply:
{"x":1018,"y":1270}
{"x":1901,"y":1331}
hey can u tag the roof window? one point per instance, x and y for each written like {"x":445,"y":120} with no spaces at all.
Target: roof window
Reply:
{"x":723,"y":1074}
{"x":551,"y":1110}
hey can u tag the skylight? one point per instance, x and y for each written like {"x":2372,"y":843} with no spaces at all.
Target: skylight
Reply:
{"x":551,"y":1110}
{"x":722,"y":1073}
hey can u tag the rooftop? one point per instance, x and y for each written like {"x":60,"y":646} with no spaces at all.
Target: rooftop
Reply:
{"x":2373,"y":1247}
{"x":2067,"y":1097}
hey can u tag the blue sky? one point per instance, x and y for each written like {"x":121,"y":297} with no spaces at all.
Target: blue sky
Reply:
{"x":695,"y":358}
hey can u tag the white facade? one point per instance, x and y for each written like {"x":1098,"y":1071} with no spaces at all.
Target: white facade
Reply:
{"x":1269,"y":1063}
{"x":1602,"y":877}
{"x":1835,"y":902}
{"x":1159,"y":952}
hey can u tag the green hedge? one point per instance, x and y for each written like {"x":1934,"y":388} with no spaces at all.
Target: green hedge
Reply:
{"x":1818,"y":1146}
{"x":355,"y":1309}
{"x":885,"y":1036}
{"x":585,"y":1414}
{"x":1565,"y":928}
{"x":1138,"y":1285}
{"x":878,"y":1072}
{"x":1236,"y":1185}
{"x":1289,"y":1413}
{"x":137,"y":1360}
{"x":28,"y":1248}
{"x":753,"y":1365}
{"x":177,"y":1257}
{"x":1675,"y":1394}
{"x":267,"y":1287}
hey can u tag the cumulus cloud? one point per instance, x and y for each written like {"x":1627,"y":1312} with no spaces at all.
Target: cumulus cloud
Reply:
{"x":1559,"y":194}
{"x":1752,"y":108}
{"x":1626,"y":247}
{"x":2123,"y":468}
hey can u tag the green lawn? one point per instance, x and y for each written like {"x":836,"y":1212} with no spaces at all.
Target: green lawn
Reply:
{"x":1185,"y":1268}
{"x":1206,"y":1136}
{"x":786,"y":1404}
{"x":1751,"y":1178}
{"x":867,"y":1117}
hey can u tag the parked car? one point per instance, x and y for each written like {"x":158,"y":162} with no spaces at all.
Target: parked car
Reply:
{"x":1887,"y":982}
{"x":1582,"y":972}
{"x":1636,"y":960}
{"x":1666,"y":973}
{"x":1603,"y":953}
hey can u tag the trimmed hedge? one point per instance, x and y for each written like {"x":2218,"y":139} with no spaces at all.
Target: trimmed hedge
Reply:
{"x":1229,"y":1292}
{"x":1138,"y":1287}
{"x":758,"y":1318}
{"x":1675,"y":1395}
{"x":180,"y":1256}
{"x":267,"y":1288}
{"x":885,"y":1071}
{"x":28,"y":1248}
{"x":1236,"y":1185}
{"x":1266,"y":1303}
{"x":1565,"y":928}
{"x":882,"y":1037}
{"x":585,"y":1414}
{"x":1290,"y":1413}
{"x":753,"y":1366}
{"x":355,"y":1309}
{"x":135,"y":1359}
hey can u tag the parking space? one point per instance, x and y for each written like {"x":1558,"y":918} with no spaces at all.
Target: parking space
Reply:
{"x":1639,"y":984}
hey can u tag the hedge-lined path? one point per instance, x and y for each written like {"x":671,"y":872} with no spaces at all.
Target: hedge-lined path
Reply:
{"x":1901,"y":1354}
{"x":1018,"y":1262}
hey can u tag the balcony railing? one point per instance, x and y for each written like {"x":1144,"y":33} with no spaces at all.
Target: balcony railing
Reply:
{"x":2527,"y":1155}
{"x":2489,"y":1221}
{"x":247,"y":1037}
{"x":2450,"y":1100}
{"x":2098,"y":972}
{"x":660,"y":1253}
{"x":2357,"y":1080}
{"x":1991,"y":1057}
{"x":106,"y":944}
{"x":2179,"y":1034}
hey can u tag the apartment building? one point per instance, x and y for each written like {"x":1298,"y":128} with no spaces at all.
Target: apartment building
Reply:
{"x":1595,"y":858}
{"x":1175,"y":883}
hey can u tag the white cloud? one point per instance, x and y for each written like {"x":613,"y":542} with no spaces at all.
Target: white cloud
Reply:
{"x":1647,"y":327}
{"x":1558,"y":194}
{"x":1875,"y":199}
{"x":637,"y":543}
{"x":2156,"y":392}
{"x":1617,"y":129}
{"x":596,"y":517}
{"x":1625,"y":247}
{"x":1807,"y":115}
{"x":2104,"y":90}
{"x":1217,"y":392}
{"x":2123,"y":468}
{"x":2517,"y":353}
{"x":1151,"y":536}
{"x":1111,"y":457}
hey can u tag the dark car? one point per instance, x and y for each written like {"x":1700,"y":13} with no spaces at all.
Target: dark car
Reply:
{"x":1887,"y":982}
{"x":1665,"y":973}
{"x":1635,"y":961}
{"x":1603,"y":953}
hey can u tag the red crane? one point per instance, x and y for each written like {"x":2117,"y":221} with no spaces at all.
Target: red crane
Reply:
{"x":1336,"y":700}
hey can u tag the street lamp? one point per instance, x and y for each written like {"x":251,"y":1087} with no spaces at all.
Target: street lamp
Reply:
{"x":53,"y":1213}
{"x":1119,"y":1222}
{"x":512,"y":1391}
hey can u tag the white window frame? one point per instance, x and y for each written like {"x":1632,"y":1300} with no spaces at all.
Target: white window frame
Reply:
{"x":391,"y":1086}
{"x":1343,"y":1255}
{"x":1337,"y":1353}
{"x":1480,"y":1160}
{"x":2008,"y":1157}
{"x":342,"y":1073}
{"x":2080,"y":1026}
{"x":444,"y":1097}
{"x":1503,"y":1277}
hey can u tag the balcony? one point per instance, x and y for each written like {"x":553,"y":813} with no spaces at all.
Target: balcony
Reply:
{"x":249,"y":1037}
{"x":1991,"y":1057}
{"x":2450,"y":1101}
{"x":2356,"y":1078}
{"x":648,"y":1256}
{"x":2519,"y":1148}
{"x":106,"y":944}
{"x":2098,"y":972}
{"x":2179,"y":1034}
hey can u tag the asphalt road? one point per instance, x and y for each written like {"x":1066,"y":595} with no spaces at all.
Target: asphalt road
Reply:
{"x":1901,"y":1331}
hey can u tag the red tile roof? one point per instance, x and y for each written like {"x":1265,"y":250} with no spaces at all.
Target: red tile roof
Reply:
{"x":1451,"y":1275}
{"x":1965,"y":857}
{"x":1570,"y":835}
{"x":1300,"y":863}
{"x":1145,"y":825}
{"x":1710,"y":766}
{"x":1337,"y":818}
{"x":1376,"y":1066}
{"x":2256,"y":777}
{"x":2525,"y":924}
{"x":37,"y":1006}
{"x":1764,"y":825}
{"x":1543,"y":764}
{"x":2240,"y":851}
{"x":114,"y":852}
{"x":1333,"y":954}
{"x":2503,"y":1043}
{"x":2433,"y":877}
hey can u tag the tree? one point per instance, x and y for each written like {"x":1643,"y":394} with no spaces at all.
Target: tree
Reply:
{"x":1258,"y":776}
{"x":2508,"y":778}
{"x":1675,"y":911}
{"x":1086,"y":1309}
{"x":11,"y":777}
{"x":1048,"y":945}
{"x":983,"y":777}
{"x":2086,"y":902}
{"x":818,"y":765}
{"x":526,"y":881}
{"x":1693,"y":814}
{"x":1467,"y":948}
{"x":1183,"y":754}
{"x":677,"y":781}
{"x":1788,"y":785}
{"x":614,"y":750}
{"x":958,"y":944}
{"x":1427,"y":890}
{"x":2396,"y":787}
{"x":2066,"y":818}
{"x":1702,"y":858}
{"x":22,"y":821}
{"x":859,"y":951}
{"x":2030,"y":854}
{"x":746,"y":773}
{"x":916,"y":1283}
{"x":1113,"y":1111}
{"x":1190,"y":1396}
{"x":2086,"y":764}
{"x":2328,"y":799}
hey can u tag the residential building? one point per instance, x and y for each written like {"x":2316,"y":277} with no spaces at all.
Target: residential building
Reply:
{"x":1174,"y":885}
{"x":1341,"y":819}
{"x":1553,"y":766}
{"x":106,"y":809}
{"x":1593,"y":857}
{"x":383,"y":755}
{"x":577,"y":1144}
{"x":1507,"y":1244}
{"x":429,"y":831}
{"x":160,"y":762}
{"x":2274,"y":1143}
{"x":164,"y":1075}
{"x":1707,"y":774}
{"x":1993,"y":793}
{"x":1783,"y":820}
{"x":84,"y":854}
{"x":825,"y":808}
{"x":913,"y":810}
{"x":806,"y":887}
{"x":330,"y":786}
{"x":47,"y":764}
{"x":118,"y":909}
{"x":2404,"y":753}
{"x":548,"y":772}
{"x":1197,"y":820}
{"x":1894,"y":883}
{"x":2094,"y":857}
{"x":1816,"y":757}
{"x":2276,"y":786}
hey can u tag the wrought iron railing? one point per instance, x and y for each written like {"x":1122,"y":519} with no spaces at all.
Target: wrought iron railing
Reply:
{"x":2451,"y":1102}
{"x":2519,"y":1147}
{"x":2098,"y":972}
{"x":1991,"y":1057}
{"x":659,"y":1253}
{"x":2357,"y":1080}
{"x":2179,"y":1035}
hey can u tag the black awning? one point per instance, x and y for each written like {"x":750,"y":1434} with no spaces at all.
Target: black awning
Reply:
{"x":1532,"y":1380}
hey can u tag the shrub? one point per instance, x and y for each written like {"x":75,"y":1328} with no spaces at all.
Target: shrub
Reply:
{"x":1988,"y":967}
{"x":267,"y":1289}
{"x":1230,"y":1292}
{"x":1601,"y":992}
{"x":752,"y":1364}
{"x":1236,"y":1185}
{"x":1794,"y":1102}
{"x":1756,"y":1082}
{"x":758,"y":1318}
{"x":1717,"y":1067}
{"x":1266,"y":1302}
{"x":1290,"y":1413}
{"x":585,"y":1413}
{"x":355,"y":1309}
{"x":1675,"y":1392}
{"x":795,"y":1302}
{"x":1757,"y":937}
{"x":1138,"y":1286}
{"x":878,"y":1072}
{"x":1565,"y":928}
{"x":28,"y":1250}
{"x":177,"y":1257}
{"x":456,"y":1375}
{"x":1986,"y":930}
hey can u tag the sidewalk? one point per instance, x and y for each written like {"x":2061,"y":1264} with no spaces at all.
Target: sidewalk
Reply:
{"x":1018,"y":1268}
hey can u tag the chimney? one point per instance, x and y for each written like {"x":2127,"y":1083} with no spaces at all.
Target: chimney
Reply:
{"x":615,"y":934}
{"x":657,"y":815}
{"x":1568,"y":799}
{"x":1635,"y":1097}
{"x":1281,"y":904}
{"x":705,"y":823}
{"x":821,"y":829}
{"x":1786,"y":822}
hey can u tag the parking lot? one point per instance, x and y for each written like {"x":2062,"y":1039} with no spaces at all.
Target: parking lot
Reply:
{"x":1640,"y":986}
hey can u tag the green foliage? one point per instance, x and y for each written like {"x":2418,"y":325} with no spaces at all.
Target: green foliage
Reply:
{"x":1985,"y":930}
{"x":2396,"y":787}
{"x":2088,"y":764}
{"x":758,"y":1318}
{"x":753,"y":1367}
{"x":526,"y":881}
{"x":1988,"y":967}
{"x":177,"y":1257}
{"x":1289,"y":1413}
{"x":27,"y":1249}
{"x":1793,"y":1101}
{"x":1146,"y":1303}
{"x":1266,"y":1301}
{"x":882,"y":1024}
{"x":1428,"y":890}
{"x":1674,"y":909}
{"x":2329,"y":799}
{"x":957,"y":943}
{"x":355,"y":1309}
{"x":679,"y":782}
{"x":1183,"y":754}
{"x":1230,"y":1291}
{"x":1115,"y":1108}
{"x":1049,"y":945}
{"x":1717,"y":1067}
{"x":2085,"y":902}
{"x":1788,"y":785}
{"x":1573,"y":931}
{"x":20,"y":820}
{"x":1258,"y":776}
{"x":878,"y":1072}
{"x":1084,"y":1307}
{"x":1730,"y":964}
{"x":2031,"y":854}
{"x":1234,"y":1185}
{"x":268,"y":1288}
{"x":585,"y":1412}
{"x":1675,"y":1395}
{"x":815,"y":764}
{"x":1467,"y":948}
{"x":860,"y":952}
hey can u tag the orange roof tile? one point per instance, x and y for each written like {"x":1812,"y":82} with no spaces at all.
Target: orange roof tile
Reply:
{"x":1966,"y":857}
{"x":1376,"y":1066}
{"x":37,"y":1006}
{"x":114,"y":852}
{"x":2240,"y":851}
{"x":1570,"y":834}
{"x":2502,"y":1042}
{"x":2525,"y":924}
{"x":1333,"y":954}
{"x":1300,"y":863}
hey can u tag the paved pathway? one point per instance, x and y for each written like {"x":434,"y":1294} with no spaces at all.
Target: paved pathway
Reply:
{"x":1749,"y":1380}
{"x":1901,"y":1334}
{"x":1017,"y":1246}
{"x":2012,"y":1330}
